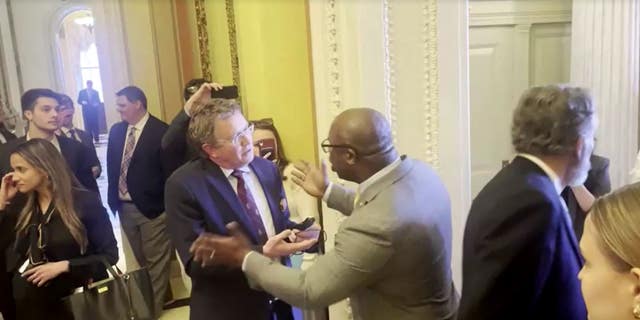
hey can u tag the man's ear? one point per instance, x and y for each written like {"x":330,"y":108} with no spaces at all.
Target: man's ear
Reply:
{"x":28,"y":115}
{"x":210,"y":150}
{"x":351,"y":156}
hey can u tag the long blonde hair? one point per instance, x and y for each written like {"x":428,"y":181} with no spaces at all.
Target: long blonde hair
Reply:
{"x":43,"y":156}
{"x":616,"y":218}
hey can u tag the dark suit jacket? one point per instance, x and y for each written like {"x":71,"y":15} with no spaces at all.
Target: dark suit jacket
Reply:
{"x":521,"y":258}
{"x":82,"y":267}
{"x":175,"y":142}
{"x":146,"y":175}
{"x":79,"y":158}
{"x":87,"y":141}
{"x":598,"y":183}
{"x":83,"y":95}
{"x":200,"y":198}
{"x":6,"y":133}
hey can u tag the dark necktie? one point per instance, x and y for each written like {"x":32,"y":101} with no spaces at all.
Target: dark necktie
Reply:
{"x":250,"y":207}
{"x":72,"y":135}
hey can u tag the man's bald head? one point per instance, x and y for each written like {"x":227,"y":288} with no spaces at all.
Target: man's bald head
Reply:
{"x":365,"y":129}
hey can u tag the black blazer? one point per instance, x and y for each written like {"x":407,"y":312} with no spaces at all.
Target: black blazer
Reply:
{"x":79,"y":158}
{"x":598,"y":183}
{"x":61,"y":246}
{"x":199,"y":198}
{"x":87,"y":140}
{"x":175,"y":142}
{"x":83,"y":95}
{"x":146,"y":174}
{"x":521,"y":258}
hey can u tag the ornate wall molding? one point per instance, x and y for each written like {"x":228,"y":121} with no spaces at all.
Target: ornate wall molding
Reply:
{"x":431,"y":82}
{"x":233,"y":46}
{"x":203,"y":39}
{"x":389,"y":67}
{"x":333,"y":58}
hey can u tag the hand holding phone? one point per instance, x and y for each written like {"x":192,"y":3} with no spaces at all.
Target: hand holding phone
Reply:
{"x":267,"y":149}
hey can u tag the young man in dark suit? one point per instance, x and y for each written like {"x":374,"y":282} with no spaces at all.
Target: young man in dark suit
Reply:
{"x":40,"y":108}
{"x":65,"y":123}
{"x":226,"y":183}
{"x":90,"y":101}
{"x":136,"y":176}
{"x":521,"y":258}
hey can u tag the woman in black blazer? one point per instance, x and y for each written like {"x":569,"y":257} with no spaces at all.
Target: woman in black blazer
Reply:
{"x":62,"y":231}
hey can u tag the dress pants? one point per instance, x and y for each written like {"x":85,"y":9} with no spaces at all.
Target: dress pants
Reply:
{"x":151,"y":247}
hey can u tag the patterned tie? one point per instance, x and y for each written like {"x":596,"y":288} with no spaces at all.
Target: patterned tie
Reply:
{"x":250,"y":207}
{"x":126,"y":160}
{"x":72,"y":134}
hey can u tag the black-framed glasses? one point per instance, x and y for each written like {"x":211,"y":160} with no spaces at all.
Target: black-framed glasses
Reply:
{"x":327,"y":146}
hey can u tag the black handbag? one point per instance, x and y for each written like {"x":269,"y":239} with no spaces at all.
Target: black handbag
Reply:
{"x":127,"y":296}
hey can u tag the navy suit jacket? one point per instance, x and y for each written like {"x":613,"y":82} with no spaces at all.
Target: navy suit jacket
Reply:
{"x":146,"y":174}
{"x":199,"y":198}
{"x":521,"y":258}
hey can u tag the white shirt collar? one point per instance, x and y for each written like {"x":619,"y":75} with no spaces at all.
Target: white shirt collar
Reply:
{"x":53,"y":140}
{"x":378,"y":175}
{"x":228,"y":172}
{"x":66,"y":130}
{"x":140,"y":125}
{"x":552,"y":174}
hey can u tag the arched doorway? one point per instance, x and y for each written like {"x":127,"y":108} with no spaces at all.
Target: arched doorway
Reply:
{"x":77,"y":60}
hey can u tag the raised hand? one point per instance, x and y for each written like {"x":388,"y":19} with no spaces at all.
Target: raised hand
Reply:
{"x":8,"y":190}
{"x":201,"y":96}
{"x":312,"y":179}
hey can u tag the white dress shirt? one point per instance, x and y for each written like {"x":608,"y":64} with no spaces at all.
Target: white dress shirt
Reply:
{"x":254,"y":186}
{"x":139,"y":127}
{"x":53,"y":140}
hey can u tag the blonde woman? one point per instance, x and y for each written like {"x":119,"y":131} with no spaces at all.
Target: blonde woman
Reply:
{"x":62,"y":231}
{"x":610,"y":246}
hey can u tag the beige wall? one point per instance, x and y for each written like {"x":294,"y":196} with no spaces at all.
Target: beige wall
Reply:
{"x":128,"y":35}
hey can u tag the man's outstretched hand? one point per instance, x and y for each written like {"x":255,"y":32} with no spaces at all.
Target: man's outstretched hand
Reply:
{"x":212,"y":249}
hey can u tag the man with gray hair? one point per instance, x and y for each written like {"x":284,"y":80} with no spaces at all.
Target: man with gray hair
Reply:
{"x":228,"y":184}
{"x":521,"y":258}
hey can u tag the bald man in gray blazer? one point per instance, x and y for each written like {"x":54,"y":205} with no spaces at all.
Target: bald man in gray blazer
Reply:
{"x":392,"y":254}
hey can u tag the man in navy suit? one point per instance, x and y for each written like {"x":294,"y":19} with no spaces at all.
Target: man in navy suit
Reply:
{"x":521,"y":257}
{"x":90,"y":101}
{"x":226,"y":184}
{"x":136,"y":176}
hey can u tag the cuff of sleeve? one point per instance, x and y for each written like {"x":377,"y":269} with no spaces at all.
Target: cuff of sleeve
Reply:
{"x":244,"y":261}
{"x":325,"y":196}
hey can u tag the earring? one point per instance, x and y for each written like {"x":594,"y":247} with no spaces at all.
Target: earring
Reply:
{"x":636,"y":311}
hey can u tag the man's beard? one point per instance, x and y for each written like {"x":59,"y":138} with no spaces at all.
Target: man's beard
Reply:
{"x":579,"y":171}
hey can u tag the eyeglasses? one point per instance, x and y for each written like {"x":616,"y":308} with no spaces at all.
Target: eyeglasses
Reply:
{"x":327,"y":146}
{"x":235,"y":140}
